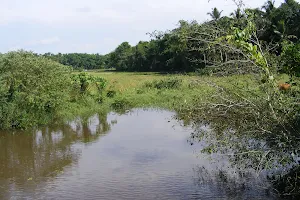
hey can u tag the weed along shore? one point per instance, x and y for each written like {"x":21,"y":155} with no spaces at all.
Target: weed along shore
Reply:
{"x":209,"y":109}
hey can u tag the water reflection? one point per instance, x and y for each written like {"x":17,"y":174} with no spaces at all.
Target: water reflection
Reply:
{"x":33,"y":156}
{"x":145,"y":156}
{"x":263,"y":162}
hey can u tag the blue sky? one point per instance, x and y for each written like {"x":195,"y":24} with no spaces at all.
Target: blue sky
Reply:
{"x":95,"y":26}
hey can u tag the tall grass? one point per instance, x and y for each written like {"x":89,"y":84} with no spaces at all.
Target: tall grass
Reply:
{"x":169,"y":83}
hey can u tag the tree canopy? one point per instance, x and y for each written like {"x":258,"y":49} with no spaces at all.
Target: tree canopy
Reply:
{"x":79,"y":60}
{"x":174,"y":50}
{"x":182,"y":49}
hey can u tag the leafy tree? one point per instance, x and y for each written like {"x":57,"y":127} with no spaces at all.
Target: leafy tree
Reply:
{"x":118,"y":57}
{"x":79,"y":60}
{"x":269,"y":7}
{"x":138,"y":59}
{"x":291,"y":59}
{"x":237,"y":14}
{"x":281,"y":23}
{"x":174,"y":50}
{"x":33,"y":89}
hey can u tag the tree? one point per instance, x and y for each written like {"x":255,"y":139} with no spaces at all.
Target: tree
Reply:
{"x":215,"y":14}
{"x":79,"y":60}
{"x":269,"y":7}
{"x":237,"y":14}
{"x":119,"y":57}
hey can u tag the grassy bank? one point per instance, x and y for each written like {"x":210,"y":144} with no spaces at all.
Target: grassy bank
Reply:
{"x":166,"y":91}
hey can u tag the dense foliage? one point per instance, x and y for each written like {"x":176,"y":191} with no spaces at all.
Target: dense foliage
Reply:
{"x":85,"y":84}
{"x":79,"y":60}
{"x":32,"y":89}
{"x":291,"y":59}
{"x":256,"y":126}
{"x":181,"y":50}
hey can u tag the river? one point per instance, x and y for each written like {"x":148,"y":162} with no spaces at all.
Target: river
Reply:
{"x":143,"y":154}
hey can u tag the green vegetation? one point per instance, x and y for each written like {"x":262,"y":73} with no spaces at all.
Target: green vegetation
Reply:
{"x":32,"y":89}
{"x":186,"y":48}
{"x":170,"y":83}
{"x":35,"y":90}
{"x":79,"y":61}
{"x":252,"y":120}
{"x":291,"y":59}
{"x":168,"y":91}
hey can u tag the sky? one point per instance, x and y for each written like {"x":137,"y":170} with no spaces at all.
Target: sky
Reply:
{"x":96,"y":26}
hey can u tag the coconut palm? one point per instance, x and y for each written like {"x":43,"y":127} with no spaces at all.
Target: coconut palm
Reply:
{"x":237,"y":14}
{"x":215,"y":14}
{"x":269,"y":7}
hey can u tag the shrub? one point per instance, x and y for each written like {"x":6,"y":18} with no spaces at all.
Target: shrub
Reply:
{"x":101,"y":84}
{"x":204,"y":71}
{"x":121,"y":104}
{"x":32,"y":89}
{"x":84,"y":83}
{"x":291,"y":59}
{"x":170,"y":83}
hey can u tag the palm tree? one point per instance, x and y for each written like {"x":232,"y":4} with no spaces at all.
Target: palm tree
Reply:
{"x":215,"y":14}
{"x":237,"y":14}
{"x":269,"y":7}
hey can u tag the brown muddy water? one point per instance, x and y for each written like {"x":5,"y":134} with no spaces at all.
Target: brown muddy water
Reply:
{"x":143,"y":154}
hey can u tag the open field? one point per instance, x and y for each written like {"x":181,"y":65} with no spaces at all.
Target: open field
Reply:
{"x":132,"y":89}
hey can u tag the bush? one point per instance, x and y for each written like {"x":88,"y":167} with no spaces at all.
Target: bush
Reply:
{"x":121,"y":104}
{"x":100,"y":83}
{"x":207,"y":71}
{"x":170,"y":83}
{"x":83,"y":83}
{"x":32,"y":89}
{"x":291,"y":59}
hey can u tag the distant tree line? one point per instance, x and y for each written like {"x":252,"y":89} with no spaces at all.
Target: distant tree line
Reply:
{"x":79,"y":60}
{"x":178,"y":49}
{"x":182,"y":49}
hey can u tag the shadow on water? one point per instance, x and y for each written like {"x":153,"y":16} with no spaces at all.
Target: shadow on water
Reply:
{"x":34,"y":156}
{"x":146,"y":155}
{"x":249,"y":162}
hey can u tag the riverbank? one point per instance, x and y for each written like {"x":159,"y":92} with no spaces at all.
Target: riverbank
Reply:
{"x":173,"y":92}
{"x":243,"y":124}
{"x":38,"y":91}
{"x":241,"y":119}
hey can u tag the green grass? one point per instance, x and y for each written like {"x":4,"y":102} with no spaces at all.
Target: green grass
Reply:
{"x":139,"y":90}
